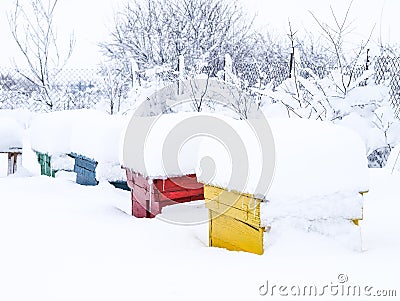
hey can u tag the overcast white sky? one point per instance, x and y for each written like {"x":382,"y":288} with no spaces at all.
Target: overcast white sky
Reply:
{"x":91,"y":20}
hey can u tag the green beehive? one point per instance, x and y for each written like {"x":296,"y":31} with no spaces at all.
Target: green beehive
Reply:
{"x":45,"y":165}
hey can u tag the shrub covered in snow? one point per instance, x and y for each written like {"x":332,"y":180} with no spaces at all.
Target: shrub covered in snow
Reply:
{"x":364,"y":108}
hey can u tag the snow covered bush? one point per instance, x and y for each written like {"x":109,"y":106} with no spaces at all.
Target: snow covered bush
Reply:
{"x":364,"y":108}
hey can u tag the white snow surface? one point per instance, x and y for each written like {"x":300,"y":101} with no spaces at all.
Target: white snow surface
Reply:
{"x":93,"y":134}
{"x":11,"y":133}
{"x":110,"y":172}
{"x":331,"y":215}
{"x":98,"y":137}
{"x":313,"y":159}
{"x":393,"y":162}
{"x":51,"y":133}
{"x":150,"y":157}
{"x":62,"y":162}
{"x":337,"y":205}
{"x":316,"y":158}
{"x":22,"y":116}
{"x":90,"y":133}
{"x":372,"y":136}
{"x":62,"y":241}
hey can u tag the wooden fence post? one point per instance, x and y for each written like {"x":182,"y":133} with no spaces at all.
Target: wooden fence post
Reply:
{"x":228,"y":66}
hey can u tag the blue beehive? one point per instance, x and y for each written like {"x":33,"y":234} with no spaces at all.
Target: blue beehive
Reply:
{"x":85,"y":169}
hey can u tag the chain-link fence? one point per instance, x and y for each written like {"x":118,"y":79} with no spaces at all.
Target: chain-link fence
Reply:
{"x":254,"y":73}
{"x":69,"y":89}
{"x":387,"y":70}
{"x":84,"y":88}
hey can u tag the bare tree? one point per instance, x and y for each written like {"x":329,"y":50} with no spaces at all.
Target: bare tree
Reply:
{"x":32,"y":27}
{"x":117,"y":79}
{"x":335,"y":35}
{"x":292,"y":64}
{"x":157,"y":32}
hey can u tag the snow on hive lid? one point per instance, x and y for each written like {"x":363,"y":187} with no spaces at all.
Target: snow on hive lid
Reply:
{"x":312,"y":158}
{"x":11,"y":134}
{"x":147,"y":149}
{"x":90,"y":133}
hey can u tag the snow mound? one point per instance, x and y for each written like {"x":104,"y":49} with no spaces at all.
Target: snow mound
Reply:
{"x":22,"y":116}
{"x":312,"y":158}
{"x":372,"y":136}
{"x":93,"y":134}
{"x":98,"y":136}
{"x":316,"y":158}
{"x":319,"y":171}
{"x":62,"y":162}
{"x":338,"y":231}
{"x":337,"y":205}
{"x":11,"y":133}
{"x":110,"y":172}
{"x":51,"y":132}
{"x":146,"y":148}
{"x":87,"y":132}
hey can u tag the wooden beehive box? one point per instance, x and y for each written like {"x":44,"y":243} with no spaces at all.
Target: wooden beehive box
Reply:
{"x":85,"y":169}
{"x":150,"y":196}
{"x":13,"y":156}
{"x":45,"y":164}
{"x":234,"y":220}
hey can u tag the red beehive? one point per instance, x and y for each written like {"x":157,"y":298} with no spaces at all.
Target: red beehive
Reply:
{"x":149,"y":196}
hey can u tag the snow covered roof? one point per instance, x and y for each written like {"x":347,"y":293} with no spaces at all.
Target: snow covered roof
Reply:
{"x":312,"y":158}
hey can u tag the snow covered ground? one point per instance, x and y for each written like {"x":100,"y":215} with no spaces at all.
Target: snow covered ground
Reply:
{"x":63,"y":241}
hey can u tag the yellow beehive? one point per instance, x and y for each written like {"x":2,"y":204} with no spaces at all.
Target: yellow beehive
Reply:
{"x":234,"y":220}
{"x":285,"y":166}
